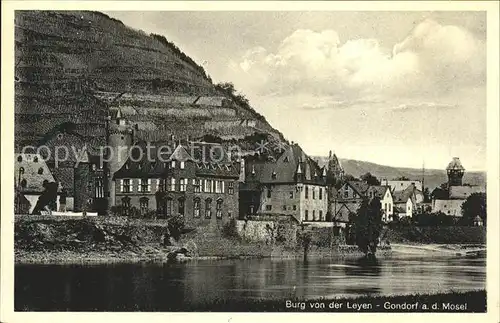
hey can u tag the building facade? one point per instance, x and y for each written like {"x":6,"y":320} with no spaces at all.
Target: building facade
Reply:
{"x":290,"y":185}
{"x":203,"y":193}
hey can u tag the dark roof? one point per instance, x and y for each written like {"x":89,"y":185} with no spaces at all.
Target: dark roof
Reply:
{"x":159,"y":163}
{"x":291,"y":165}
{"x":379,"y":190}
{"x":359,"y":186}
{"x":403,"y":196}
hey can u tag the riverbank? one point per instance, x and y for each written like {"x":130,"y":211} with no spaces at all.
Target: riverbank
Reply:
{"x":52,"y":239}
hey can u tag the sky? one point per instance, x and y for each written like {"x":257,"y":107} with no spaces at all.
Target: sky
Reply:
{"x":394,"y":88}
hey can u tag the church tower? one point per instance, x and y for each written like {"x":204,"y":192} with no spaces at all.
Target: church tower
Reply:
{"x":455,"y":172}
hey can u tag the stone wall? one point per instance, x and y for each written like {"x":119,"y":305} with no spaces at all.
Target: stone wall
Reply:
{"x":268,"y":231}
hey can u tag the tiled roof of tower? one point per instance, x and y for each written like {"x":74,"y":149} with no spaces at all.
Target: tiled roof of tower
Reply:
{"x":455,"y":164}
{"x":285,"y":168}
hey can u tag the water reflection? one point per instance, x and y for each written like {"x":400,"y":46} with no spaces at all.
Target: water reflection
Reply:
{"x":163,"y":287}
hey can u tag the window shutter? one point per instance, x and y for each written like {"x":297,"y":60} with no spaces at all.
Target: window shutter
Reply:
{"x":149,"y":184}
{"x":223,"y":188}
{"x":121,"y":185}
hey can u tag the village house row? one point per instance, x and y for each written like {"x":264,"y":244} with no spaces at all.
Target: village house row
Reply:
{"x":212,"y":190}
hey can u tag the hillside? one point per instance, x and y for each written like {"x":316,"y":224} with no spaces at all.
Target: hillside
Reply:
{"x":77,"y":66}
{"x":433,"y":177}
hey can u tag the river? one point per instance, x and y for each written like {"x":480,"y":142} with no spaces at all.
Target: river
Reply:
{"x":163,"y":287}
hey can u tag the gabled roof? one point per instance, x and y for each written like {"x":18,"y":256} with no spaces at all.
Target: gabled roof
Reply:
{"x":33,"y":170}
{"x":403,"y":196}
{"x":379,"y":190}
{"x":291,"y":165}
{"x":342,"y":214}
{"x":359,"y":187}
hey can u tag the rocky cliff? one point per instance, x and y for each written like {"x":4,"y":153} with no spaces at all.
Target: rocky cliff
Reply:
{"x":77,"y":66}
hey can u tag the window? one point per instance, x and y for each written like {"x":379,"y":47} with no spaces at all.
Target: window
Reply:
{"x":320,"y":193}
{"x":183,"y":184}
{"x":269,"y":207}
{"x":291,"y":194}
{"x":208,"y":208}
{"x":197,"y":185}
{"x":144,"y":205}
{"x":218,"y":186}
{"x":268,"y":192}
{"x":172,"y":184}
{"x":273,"y":175}
{"x":218,"y":209}
{"x":314,"y":193}
{"x":314,"y":215}
{"x":284,"y":207}
{"x":168,"y":207}
{"x":180,"y":206}
{"x":20,"y":158}
{"x":161,"y":185}
{"x":230,"y":188}
{"x":294,"y":207}
{"x":125,"y":205}
{"x":196,"y":208}
{"x":182,"y":165}
{"x":145,"y":185}
{"x":229,"y":214}
{"x":35,"y":159}
{"x":208,"y":186}
{"x":99,"y":188}
{"x":390,"y":207}
{"x":172,"y":164}
{"x":307,"y":215}
{"x":346,"y":193}
{"x":307,"y":192}
{"x":321,"y":216}
{"x":40,"y":171}
{"x":125,"y":185}
{"x":24,"y":183}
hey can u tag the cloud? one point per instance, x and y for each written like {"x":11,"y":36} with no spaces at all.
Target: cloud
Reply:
{"x":432,"y":60}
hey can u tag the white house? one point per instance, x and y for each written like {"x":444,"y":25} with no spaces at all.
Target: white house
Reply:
{"x":386,"y":200}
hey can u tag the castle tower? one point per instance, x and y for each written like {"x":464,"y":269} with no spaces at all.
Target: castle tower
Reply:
{"x":120,"y":139}
{"x":455,"y":172}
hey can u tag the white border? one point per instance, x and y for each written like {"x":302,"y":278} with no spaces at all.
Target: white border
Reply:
{"x":7,"y":152}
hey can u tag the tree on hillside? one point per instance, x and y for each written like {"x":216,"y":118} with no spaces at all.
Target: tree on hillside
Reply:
{"x":473,"y":206}
{"x":370,"y":179}
{"x":368,"y":225}
{"x":349,"y":178}
{"x":402,"y":178}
